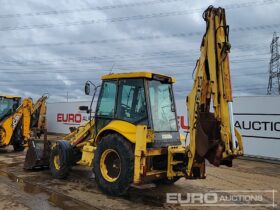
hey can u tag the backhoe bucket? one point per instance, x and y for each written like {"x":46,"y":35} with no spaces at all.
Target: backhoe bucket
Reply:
{"x":209,"y":146}
{"x":202,"y":142}
{"x":38,"y":154}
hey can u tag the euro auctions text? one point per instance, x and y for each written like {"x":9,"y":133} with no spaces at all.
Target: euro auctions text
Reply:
{"x":225,"y":198}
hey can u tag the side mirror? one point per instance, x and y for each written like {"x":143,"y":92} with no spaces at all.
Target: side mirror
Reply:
{"x":87,"y":88}
{"x":83,"y":108}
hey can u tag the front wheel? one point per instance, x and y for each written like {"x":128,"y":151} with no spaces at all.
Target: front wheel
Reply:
{"x":61,"y":159}
{"x":113,"y":164}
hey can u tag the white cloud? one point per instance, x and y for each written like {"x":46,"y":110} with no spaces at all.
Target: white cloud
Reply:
{"x":64,"y":68}
{"x":64,"y":80}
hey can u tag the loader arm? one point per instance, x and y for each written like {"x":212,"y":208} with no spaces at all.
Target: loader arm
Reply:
{"x":81,"y":134}
{"x":212,"y":133}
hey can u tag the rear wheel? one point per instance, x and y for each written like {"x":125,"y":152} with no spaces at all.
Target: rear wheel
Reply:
{"x":113,"y":164}
{"x":18,"y":146}
{"x":18,"y":139}
{"x":61,"y":160}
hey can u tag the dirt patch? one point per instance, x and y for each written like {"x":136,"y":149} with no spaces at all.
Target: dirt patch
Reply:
{"x":20,"y":189}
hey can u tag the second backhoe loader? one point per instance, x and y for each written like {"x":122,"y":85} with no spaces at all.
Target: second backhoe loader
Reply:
{"x":21,"y":120}
{"x":134,"y":139}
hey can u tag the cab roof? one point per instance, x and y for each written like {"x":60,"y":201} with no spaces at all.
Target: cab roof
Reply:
{"x":142,"y":74}
{"x":10,"y":97}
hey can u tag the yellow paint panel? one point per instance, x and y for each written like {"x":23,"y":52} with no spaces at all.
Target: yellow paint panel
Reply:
{"x":148,"y":75}
{"x":124,"y":128}
{"x":10,"y":97}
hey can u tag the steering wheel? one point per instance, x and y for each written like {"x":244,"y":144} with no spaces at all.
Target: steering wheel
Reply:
{"x":125,"y":109}
{"x":125,"y":106}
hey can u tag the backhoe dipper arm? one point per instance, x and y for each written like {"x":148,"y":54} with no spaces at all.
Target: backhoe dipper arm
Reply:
{"x":212,"y":134}
{"x":38,"y":113}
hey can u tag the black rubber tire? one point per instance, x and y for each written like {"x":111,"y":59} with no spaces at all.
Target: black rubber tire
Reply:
{"x":125,"y":151}
{"x":17,"y":139}
{"x":18,"y":146}
{"x":166,"y":181}
{"x":64,"y":150}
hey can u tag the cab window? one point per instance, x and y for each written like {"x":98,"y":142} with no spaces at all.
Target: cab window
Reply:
{"x":132,"y":103}
{"x":106,"y":105}
{"x":162,"y":106}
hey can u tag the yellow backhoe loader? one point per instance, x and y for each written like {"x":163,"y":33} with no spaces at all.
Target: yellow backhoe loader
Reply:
{"x":21,"y":120}
{"x":134,"y":138}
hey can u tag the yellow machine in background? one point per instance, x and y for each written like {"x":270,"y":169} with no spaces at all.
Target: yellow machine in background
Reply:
{"x":21,"y":120}
{"x":134,"y":136}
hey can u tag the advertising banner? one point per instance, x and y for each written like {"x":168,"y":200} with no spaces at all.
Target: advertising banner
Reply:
{"x":257,"y":118}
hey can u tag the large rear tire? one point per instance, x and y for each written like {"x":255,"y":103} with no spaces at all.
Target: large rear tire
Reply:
{"x":61,"y":159}
{"x":18,"y":146}
{"x":17,"y":139}
{"x":113,"y":164}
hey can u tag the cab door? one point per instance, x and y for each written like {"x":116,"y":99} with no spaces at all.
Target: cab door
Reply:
{"x":132,"y":106}
{"x":106,"y":105}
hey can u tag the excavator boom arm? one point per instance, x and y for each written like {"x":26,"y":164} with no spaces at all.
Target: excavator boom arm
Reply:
{"x":38,"y":113}
{"x":212,"y":133}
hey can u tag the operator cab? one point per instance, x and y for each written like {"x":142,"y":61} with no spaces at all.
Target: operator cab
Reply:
{"x":140,"y":98}
{"x":8,"y":105}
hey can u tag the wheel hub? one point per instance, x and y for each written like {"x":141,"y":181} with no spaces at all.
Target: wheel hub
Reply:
{"x":110,"y":165}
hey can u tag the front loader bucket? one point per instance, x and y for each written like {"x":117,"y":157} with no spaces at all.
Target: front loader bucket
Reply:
{"x":38,"y":154}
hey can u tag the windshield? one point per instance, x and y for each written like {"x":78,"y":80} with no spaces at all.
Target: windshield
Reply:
{"x":7,"y":106}
{"x":162,"y":106}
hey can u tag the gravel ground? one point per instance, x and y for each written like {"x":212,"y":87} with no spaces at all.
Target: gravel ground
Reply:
{"x":21,"y":189}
